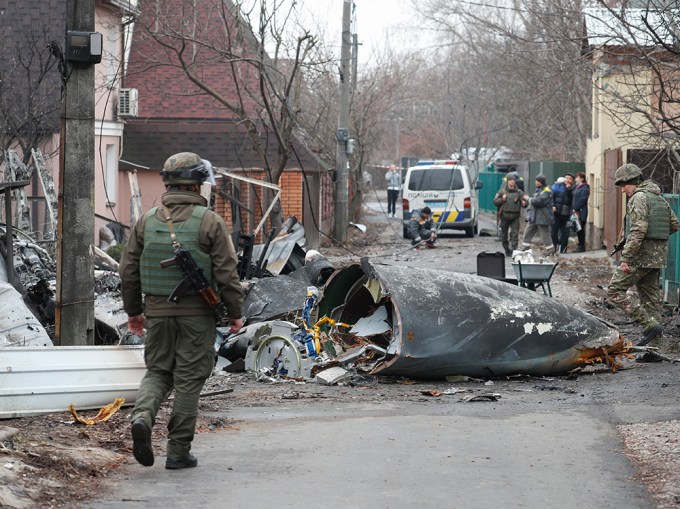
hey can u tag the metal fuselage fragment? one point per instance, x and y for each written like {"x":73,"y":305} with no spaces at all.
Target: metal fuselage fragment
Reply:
{"x":446,"y":323}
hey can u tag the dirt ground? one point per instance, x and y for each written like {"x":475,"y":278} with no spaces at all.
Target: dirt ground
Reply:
{"x":53,"y":462}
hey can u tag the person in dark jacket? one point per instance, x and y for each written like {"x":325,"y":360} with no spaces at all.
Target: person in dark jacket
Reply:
{"x":421,"y":227}
{"x":579,"y":207}
{"x":179,"y":349}
{"x":540,"y":216}
{"x":562,"y":198}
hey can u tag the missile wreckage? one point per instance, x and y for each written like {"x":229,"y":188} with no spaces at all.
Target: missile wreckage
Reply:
{"x":418,"y":323}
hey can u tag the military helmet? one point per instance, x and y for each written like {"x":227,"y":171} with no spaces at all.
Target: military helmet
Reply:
{"x":185,"y":168}
{"x":627,"y":174}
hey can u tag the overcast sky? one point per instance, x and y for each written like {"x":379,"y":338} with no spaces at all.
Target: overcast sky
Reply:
{"x":377,"y":23}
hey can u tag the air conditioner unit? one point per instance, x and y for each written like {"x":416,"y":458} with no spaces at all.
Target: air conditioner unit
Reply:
{"x":128,"y":102}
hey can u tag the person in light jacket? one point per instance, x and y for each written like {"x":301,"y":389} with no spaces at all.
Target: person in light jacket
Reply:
{"x":393,"y":179}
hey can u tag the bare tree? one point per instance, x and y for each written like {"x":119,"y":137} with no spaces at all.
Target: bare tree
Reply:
{"x":251,"y":62}
{"x":637,"y":43}
{"x":29,"y":90}
{"x":521,"y":68}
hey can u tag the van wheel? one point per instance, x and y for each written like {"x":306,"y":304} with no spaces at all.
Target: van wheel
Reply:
{"x":405,"y":232}
{"x":470,"y":232}
{"x":476,"y":229}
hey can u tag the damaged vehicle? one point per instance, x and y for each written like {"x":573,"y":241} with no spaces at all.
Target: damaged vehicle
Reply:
{"x":420,"y":323}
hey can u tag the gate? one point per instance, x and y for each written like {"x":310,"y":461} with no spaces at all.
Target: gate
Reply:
{"x":612,"y":217}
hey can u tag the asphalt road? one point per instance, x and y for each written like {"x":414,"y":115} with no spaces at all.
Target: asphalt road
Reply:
{"x":395,"y":456}
{"x":531,"y":449}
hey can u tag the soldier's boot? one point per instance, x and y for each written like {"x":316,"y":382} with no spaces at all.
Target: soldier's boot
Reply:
{"x":650,"y":334}
{"x":141,"y":442}
{"x":189,"y":461}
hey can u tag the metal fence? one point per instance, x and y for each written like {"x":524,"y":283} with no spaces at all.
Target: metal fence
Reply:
{"x":670,"y":276}
{"x":492,"y":183}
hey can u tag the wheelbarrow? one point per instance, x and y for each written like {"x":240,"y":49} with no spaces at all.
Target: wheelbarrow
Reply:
{"x":531,"y":275}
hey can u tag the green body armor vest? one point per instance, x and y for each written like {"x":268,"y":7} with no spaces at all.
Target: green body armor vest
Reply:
{"x":659,"y":220}
{"x":158,"y":247}
{"x":512,"y":206}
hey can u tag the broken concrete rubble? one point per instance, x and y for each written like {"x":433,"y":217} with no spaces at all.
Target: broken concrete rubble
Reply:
{"x":431,"y":324}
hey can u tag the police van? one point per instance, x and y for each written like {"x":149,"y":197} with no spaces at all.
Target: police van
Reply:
{"x":446,"y":187}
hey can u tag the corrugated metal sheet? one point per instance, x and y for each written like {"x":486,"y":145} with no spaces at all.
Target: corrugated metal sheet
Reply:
{"x":36,"y":380}
{"x":282,"y":257}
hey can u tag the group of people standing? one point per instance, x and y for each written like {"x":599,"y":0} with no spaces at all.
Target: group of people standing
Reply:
{"x":550,"y":215}
{"x":643,"y":242}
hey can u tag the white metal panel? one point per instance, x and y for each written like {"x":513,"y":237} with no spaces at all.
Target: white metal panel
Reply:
{"x":18,"y":325}
{"x":37,"y":380}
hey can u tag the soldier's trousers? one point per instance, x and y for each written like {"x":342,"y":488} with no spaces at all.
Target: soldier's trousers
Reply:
{"x":179,"y":353}
{"x":510,"y":233}
{"x":647,"y":309}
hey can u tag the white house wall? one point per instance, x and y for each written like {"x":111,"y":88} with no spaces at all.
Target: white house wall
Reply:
{"x":613,"y":127}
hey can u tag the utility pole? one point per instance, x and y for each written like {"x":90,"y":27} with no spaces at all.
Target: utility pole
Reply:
{"x":397,"y":143}
{"x":74,"y":319}
{"x":342,"y":134}
{"x":355,"y":62}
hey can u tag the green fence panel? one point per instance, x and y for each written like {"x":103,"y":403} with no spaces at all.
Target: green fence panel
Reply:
{"x":492,"y":183}
{"x":672,"y":271}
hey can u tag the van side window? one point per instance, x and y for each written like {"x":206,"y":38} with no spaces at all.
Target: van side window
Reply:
{"x":442,"y":179}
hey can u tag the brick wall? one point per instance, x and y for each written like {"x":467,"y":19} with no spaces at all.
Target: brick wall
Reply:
{"x":291,"y":202}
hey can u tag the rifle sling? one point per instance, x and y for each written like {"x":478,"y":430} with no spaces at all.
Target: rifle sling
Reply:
{"x":171,"y":228}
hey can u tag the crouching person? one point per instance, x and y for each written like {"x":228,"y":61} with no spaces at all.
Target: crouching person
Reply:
{"x":179,"y":351}
{"x":421,"y":228}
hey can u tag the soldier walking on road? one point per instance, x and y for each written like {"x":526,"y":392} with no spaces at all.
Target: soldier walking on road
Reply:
{"x":649,"y":223}
{"x":510,"y":200}
{"x":179,"y":349}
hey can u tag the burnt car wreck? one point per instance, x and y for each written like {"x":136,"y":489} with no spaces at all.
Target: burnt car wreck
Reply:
{"x":419,"y":323}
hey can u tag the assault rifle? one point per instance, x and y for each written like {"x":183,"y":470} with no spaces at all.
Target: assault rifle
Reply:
{"x":194,"y":279}
{"x":618,"y":247}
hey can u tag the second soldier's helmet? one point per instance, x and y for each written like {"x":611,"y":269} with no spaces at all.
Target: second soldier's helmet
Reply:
{"x":627,"y":173}
{"x":185,"y":168}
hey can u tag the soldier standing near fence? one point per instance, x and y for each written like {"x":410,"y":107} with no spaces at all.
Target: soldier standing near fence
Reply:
{"x":649,"y":223}
{"x":510,"y":200}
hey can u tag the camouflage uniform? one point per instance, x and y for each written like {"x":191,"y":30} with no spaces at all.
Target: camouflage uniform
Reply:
{"x":509,"y":211}
{"x":645,"y":258}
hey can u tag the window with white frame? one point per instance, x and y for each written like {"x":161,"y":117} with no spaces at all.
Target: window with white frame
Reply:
{"x":111,"y":174}
{"x":111,"y":64}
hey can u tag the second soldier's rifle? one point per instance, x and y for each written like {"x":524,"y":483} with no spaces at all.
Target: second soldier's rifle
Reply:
{"x":193,"y":279}
{"x":618,"y":247}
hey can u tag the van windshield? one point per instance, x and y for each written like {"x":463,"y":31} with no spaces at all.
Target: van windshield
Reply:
{"x":436,"y":179}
